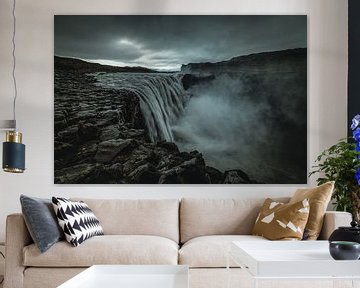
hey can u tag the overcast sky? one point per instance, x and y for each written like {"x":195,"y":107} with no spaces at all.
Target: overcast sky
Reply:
{"x":166,"y":42}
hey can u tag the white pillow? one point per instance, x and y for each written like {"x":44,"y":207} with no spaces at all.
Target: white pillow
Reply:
{"x":76,"y":220}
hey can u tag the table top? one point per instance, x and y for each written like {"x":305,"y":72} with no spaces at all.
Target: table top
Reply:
{"x":291,"y":259}
{"x":131,"y":276}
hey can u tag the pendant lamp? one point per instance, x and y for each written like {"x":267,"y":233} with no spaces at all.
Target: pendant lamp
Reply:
{"x":13,"y":149}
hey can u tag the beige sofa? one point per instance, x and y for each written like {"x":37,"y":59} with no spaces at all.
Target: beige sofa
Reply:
{"x":194,"y":232}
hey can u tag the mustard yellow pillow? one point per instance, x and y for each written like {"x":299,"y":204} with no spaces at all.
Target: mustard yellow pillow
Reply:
{"x":319,"y":198}
{"x":279,"y":221}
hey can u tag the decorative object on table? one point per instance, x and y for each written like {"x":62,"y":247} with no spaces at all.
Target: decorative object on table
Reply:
{"x":341,"y":163}
{"x":319,"y":198}
{"x":344,"y":250}
{"x":13,"y":149}
{"x":41,"y":221}
{"x":158,"y":99}
{"x":279,"y":221}
{"x":351,"y":233}
{"x":77,"y":220}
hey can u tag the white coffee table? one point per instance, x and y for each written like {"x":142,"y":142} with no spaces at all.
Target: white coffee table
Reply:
{"x":292,"y":260}
{"x":131,"y":276}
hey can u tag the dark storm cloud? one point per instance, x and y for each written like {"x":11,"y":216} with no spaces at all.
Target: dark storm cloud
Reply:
{"x":166,"y":42}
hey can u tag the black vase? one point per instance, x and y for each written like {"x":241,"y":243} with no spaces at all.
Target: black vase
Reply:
{"x":343,"y":250}
{"x":350,"y":234}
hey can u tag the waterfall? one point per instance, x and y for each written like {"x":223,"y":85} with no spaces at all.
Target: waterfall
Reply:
{"x":162,"y":98}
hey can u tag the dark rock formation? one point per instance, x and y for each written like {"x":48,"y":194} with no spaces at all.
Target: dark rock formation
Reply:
{"x":107,"y":150}
{"x":145,"y":174}
{"x":216,"y":176}
{"x":236,"y":177}
{"x":189,"y":80}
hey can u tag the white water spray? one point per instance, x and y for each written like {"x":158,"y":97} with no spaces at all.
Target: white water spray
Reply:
{"x":162,"y":99}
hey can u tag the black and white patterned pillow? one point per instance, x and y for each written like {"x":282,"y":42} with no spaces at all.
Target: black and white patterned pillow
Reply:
{"x":77,"y":220}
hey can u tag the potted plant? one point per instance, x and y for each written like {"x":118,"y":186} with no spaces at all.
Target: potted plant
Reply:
{"x":341,"y":163}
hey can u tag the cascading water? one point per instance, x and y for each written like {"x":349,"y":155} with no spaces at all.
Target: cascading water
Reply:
{"x":162,"y":98}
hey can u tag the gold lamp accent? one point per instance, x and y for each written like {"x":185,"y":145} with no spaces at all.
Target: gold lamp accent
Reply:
{"x":14,"y":136}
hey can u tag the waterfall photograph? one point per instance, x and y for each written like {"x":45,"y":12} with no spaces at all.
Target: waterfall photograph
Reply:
{"x":180,"y":99}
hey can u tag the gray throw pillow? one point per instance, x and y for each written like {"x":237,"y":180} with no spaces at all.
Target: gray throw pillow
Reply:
{"x":41,"y":221}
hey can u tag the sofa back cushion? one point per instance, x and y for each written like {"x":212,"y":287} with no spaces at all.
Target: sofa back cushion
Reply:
{"x":159,"y":217}
{"x":200,"y":217}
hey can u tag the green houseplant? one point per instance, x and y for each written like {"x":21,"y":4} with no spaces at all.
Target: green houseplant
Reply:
{"x":341,"y":163}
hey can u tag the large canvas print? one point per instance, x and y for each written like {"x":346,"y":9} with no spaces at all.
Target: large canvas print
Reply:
{"x":146,"y":99}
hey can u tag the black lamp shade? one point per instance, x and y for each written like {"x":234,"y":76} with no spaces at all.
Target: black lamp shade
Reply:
{"x":13,"y":157}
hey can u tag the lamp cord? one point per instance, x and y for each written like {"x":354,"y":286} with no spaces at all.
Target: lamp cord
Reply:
{"x":14,"y":60}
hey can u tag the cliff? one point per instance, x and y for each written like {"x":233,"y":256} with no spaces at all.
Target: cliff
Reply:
{"x":253,"y":63}
{"x":80,"y":66}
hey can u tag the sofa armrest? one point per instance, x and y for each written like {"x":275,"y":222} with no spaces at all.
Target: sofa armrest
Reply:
{"x":333,"y":220}
{"x":17,"y":237}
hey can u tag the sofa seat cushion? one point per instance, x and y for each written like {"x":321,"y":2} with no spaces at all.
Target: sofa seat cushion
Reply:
{"x":107,"y":249}
{"x":211,"y":251}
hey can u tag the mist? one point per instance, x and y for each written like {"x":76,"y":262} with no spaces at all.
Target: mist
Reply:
{"x":236,"y":129}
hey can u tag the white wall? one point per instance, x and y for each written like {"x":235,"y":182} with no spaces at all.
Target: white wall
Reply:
{"x":327,"y":42}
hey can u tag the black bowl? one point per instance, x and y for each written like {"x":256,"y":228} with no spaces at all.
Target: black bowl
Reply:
{"x":344,"y":250}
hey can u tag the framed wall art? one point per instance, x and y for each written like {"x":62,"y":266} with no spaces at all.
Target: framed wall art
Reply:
{"x":142,"y":99}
